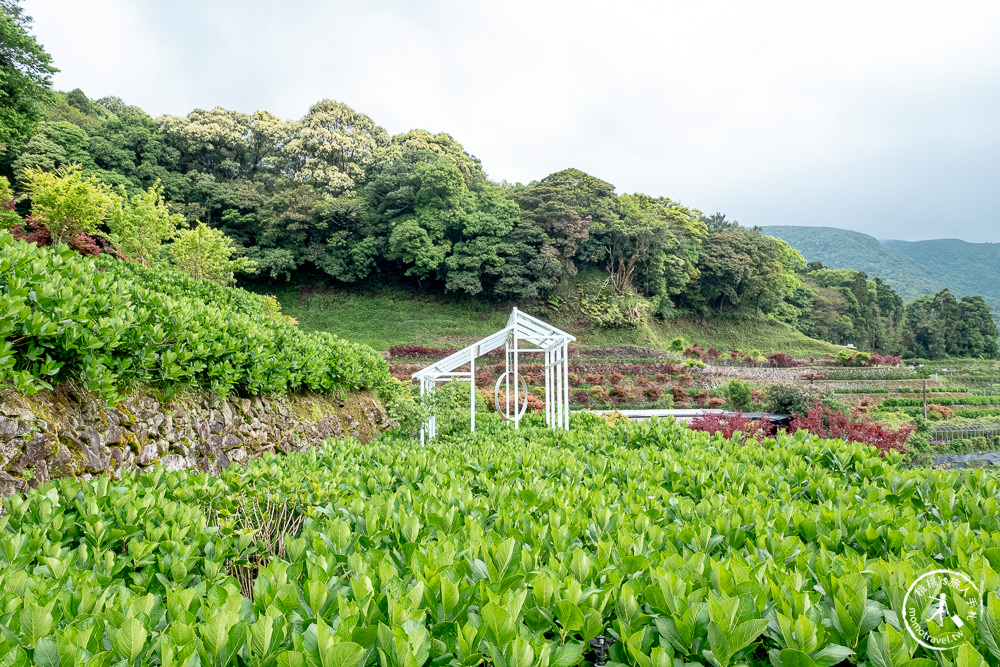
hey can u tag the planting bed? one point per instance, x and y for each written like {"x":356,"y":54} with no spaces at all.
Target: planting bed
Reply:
{"x":513,"y":548}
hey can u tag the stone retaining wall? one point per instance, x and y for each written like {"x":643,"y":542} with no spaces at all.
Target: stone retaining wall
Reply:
{"x":69,"y":431}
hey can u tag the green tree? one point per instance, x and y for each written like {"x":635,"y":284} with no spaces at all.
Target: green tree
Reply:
{"x":476,"y":261}
{"x":647,"y":247}
{"x":65,"y":202}
{"x":419,"y":203}
{"x":25,"y":77}
{"x":565,"y":206}
{"x":976,"y":332}
{"x":443,"y":144}
{"x":333,"y":146}
{"x":207,"y":254}
{"x":56,"y":144}
{"x":140,"y":223}
{"x":8,"y":216}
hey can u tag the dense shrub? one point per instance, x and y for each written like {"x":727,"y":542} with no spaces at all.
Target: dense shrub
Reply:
{"x":739,"y":394}
{"x":826,"y":422}
{"x":679,"y":395}
{"x":598,"y":393}
{"x":729,"y":424}
{"x":581,"y":397}
{"x":783,"y":360}
{"x":171,"y":281}
{"x":937,"y":412}
{"x":942,"y":400}
{"x":63,"y":319}
{"x":791,"y":399}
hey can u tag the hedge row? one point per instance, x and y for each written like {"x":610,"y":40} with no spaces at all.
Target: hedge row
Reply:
{"x":65,"y":317}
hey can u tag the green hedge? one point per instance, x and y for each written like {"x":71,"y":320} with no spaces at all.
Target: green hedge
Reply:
{"x":899,"y":390}
{"x":67,"y":317}
{"x":942,"y":400}
{"x":170,"y":281}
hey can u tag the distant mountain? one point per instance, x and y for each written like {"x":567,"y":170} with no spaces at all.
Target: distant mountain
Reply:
{"x":912,"y":268}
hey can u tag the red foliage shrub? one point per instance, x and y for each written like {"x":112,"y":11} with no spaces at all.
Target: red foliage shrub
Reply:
{"x":757,"y":396}
{"x":865,"y":405}
{"x":727,"y":425}
{"x":654,"y":392}
{"x":415,"y":351}
{"x":581,"y":398}
{"x":643,"y":381}
{"x":484,"y":379}
{"x":683,"y":378}
{"x":783,"y":360}
{"x":715,"y":402}
{"x":680,"y":396}
{"x":574,"y":380}
{"x":694,"y":352}
{"x":663,"y":378}
{"x":701,"y":398}
{"x":936,"y":411}
{"x":887,"y":360}
{"x":595,"y":378}
{"x":535,"y":404}
{"x":403,"y":372}
{"x":712,"y":353}
{"x":618,"y":391}
{"x":825,"y":422}
{"x":81,"y":243}
{"x":615,"y":378}
{"x":814,"y":376}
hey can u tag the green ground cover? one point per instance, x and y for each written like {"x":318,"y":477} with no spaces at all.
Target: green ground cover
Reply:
{"x":111,"y":324}
{"x":513,"y":548}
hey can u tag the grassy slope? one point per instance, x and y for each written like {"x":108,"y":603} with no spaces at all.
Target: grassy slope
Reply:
{"x":387,"y":316}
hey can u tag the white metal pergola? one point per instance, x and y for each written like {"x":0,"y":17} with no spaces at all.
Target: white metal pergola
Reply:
{"x":521,"y":327}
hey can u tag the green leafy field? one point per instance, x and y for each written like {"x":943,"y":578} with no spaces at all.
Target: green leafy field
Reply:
{"x":513,"y":548}
{"x":112,"y":324}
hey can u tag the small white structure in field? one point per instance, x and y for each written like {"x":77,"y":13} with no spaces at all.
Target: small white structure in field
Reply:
{"x":521,"y":327}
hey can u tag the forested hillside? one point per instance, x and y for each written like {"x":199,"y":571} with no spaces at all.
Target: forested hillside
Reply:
{"x":913,"y":268}
{"x":332,"y":199}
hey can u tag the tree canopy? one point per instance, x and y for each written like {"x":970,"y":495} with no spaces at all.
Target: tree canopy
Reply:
{"x":331,"y":197}
{"x":25,"y":77}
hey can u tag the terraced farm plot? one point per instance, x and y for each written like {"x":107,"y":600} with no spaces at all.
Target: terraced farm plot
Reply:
{"x":510,"y":548}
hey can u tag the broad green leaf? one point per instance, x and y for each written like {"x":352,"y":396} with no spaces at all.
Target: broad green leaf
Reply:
{"x":795,"y":658}
{"x":130,"y":639}
{"x":36,"y":621}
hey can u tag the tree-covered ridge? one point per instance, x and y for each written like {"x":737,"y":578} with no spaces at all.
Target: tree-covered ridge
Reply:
{"x":333,"y":194}
{"x":913,"y":268}
{"x":333,"y":197}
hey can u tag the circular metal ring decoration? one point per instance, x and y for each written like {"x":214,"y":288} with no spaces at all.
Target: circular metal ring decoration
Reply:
{"x":524,"y":393}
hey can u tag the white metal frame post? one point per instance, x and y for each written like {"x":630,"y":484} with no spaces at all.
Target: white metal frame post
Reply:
{"x":565,"y":347}
{"x":472,"y":393}
{"x":517,"y":386}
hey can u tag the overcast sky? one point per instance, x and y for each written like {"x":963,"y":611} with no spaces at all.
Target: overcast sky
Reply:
{"x":878,"y":116}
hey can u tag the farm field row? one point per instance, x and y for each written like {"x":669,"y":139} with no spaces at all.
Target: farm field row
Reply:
{"x":515,"y":548}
